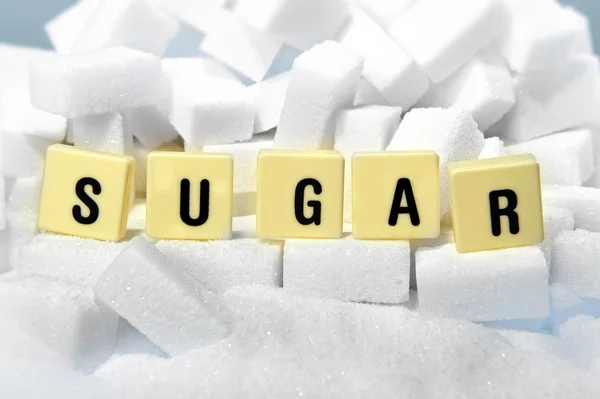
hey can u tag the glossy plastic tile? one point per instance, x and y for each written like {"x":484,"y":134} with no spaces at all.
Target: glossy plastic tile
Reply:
{"x":496,"y":203}
{"x":395,"y":195}
{"x":189,"y":196}
{"x":86,"y":193}
{"x":299,"y":194}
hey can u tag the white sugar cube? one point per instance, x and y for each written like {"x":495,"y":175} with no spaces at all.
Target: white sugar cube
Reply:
{"x":300,"y":23}
{"x":163,"y":302}
{"x":219,"y":265}
{"x":185,"y":78}
{"x":21,"y":155}
{"x":213,"y":111}
{"x":64,"y":29}
{"x":556,"y":220}
{"x":367,"y":94}
{"x":541,"y":34}
{"x":452,"y":133}
{"x":565,"y":158}
{"x":67,"y":320}
{"x":136,"y":221}
{"x":575,"y":263}
{"x":358,"y":129}
{"x":240,"y":46}
{"x":483,"y":87}
{"x":443,"y":36}
{"x":493,"y":147}
{"x":140,"y":154}
{"x":224,"y":114}
{"x":483,"y":286}
{"x":387,"y":67}
{"x":348,"y":269}
{"x":14,"y":69}
{"x":20,"y":212}
{"x":245,"y":156}
{"x":105,"y":81}
{"x":446,"y":237}
{"x":269,"y":96}
{"x":385,"y":12}
{"x":132,"y":23}
{"x":23,"y":195}
{"x":322,"y":82}
{"x":69,"y":132}
{"x":104,"y":132}
{"x":72,"y":259}
{"x":22,"y":227}
{"x":200,"y":14}
{"x":244,"y":226}
{"x":17,"y":114}
{"x":366,"y":128}
{"x":564,"y":97}
{"x":191,"y":70}
{"x":584,"y":202}
{"x":149,"y":125}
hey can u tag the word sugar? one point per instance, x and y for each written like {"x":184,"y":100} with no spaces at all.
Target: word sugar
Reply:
{"x":496,"y":203}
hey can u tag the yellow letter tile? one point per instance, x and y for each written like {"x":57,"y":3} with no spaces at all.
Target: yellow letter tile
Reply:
{"x":189,"y":196}
{"x":395,"y":195}
{"x":86,"y":193}
{"x":496,"y":203}
{"x":299,"y":194}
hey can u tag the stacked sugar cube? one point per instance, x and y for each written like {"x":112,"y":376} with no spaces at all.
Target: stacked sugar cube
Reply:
{"x":469,"y":79}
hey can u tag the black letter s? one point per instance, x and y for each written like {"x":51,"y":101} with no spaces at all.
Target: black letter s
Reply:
{"x":87,"y":200}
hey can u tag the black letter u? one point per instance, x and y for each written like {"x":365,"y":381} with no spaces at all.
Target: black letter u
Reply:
{"x":185,"y":200}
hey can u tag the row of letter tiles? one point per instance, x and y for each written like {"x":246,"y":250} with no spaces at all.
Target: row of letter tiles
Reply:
{"x":496,"y":203}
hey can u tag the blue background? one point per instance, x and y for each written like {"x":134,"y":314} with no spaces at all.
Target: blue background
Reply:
{"x":22,"y":21}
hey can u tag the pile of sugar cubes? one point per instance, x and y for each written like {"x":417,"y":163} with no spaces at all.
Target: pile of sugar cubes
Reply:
{"x":347,"y":318}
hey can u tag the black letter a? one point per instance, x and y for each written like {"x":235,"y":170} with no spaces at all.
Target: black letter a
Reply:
{"x":509,"y":211}
{"x":185,"y":200}
{"x":404,"y":186}
{"x":87,"y":200}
